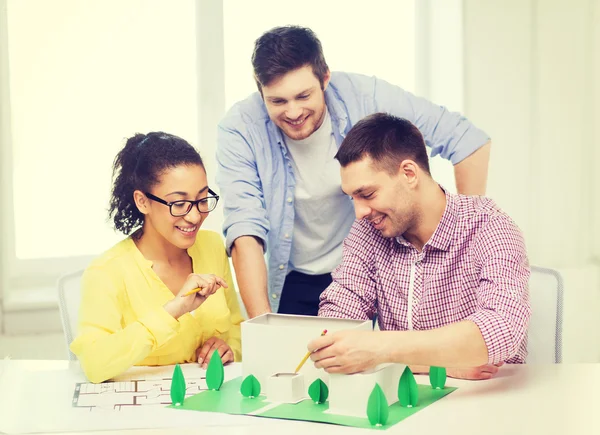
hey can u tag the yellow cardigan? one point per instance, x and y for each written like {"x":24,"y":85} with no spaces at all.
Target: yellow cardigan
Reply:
{"x":122,"y":321}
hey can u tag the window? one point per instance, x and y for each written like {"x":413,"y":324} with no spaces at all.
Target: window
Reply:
{"x":83,"y":76}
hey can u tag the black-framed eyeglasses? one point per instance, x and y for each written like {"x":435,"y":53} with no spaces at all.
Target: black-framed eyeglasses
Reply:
{"x":183,"y":206}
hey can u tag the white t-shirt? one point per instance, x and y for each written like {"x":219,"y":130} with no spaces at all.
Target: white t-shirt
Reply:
{"x":321,"y":208}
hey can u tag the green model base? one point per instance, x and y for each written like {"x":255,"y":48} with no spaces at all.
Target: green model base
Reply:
{"x":229,"y":400}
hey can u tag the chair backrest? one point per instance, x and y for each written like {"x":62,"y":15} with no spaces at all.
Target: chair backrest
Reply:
{"x":545,"y":326}
{"x":69,"y":298}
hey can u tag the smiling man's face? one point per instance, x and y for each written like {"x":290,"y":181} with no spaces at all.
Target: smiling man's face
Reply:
{"x":384,"y":200}
{"x":296,"y":102}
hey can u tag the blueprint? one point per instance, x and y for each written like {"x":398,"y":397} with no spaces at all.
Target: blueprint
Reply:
{"x":125,"y":393}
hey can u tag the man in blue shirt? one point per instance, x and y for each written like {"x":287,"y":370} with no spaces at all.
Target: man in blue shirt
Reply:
{"x":280,"y":183}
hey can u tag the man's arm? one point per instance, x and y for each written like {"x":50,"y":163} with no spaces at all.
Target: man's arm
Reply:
{"x":352,"y":294}
{"x":251,"y":274}
{"x":456,"y":345}
{"x":448,"y":134}
{"x":246,"y":223}
{"x":486,"y":371}
{"x":472,"y":172}
{"x":503,"y":308}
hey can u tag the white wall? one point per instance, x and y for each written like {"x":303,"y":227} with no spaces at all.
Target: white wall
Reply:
{"x":595,"y":148}
{"x":4,"y":138}
{"x":440,"y":66}
{"x":531,"y":81}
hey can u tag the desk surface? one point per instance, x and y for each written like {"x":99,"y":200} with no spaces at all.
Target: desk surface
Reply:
{"x":527,"y":399}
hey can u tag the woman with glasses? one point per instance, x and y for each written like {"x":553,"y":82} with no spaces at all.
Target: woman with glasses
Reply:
{"x":164,"y":294}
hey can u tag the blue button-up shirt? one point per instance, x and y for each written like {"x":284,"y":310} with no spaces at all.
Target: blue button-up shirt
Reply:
{"x":255,"y":174}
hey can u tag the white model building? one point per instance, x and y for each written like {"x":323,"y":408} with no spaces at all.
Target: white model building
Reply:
{"x":286,"y":388}
{"x":276,"y":343}
{"x":349,"y":394}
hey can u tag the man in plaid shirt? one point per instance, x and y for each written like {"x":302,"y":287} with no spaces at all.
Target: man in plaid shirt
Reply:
{"x":446,"y":275}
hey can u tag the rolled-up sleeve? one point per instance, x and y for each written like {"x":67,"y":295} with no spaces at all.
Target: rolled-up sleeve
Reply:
{"x":240,"y":187}
{"x":448,"y":134}
{"x":352,"y":294}
{"x":502,"y":296}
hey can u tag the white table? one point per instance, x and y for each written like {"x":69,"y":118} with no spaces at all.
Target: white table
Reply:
{"x":534,"y":399}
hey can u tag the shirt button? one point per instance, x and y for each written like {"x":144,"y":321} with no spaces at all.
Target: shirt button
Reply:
{"x":281,"y":266}
{"x":274,"y":295}
{"x":289,"y":199}
{"x":287,"y":236}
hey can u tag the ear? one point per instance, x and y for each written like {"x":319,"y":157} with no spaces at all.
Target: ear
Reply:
{"x":326,"y":79}
{"x":141,"y":202}
{"x":411,"y":172}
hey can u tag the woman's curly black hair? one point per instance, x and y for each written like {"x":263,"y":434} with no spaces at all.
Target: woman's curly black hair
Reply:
{"x":138,"y":166}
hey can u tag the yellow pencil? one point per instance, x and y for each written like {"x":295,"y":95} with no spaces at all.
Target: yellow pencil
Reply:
{"x":307,"y":355}
{"x":191,"y":292}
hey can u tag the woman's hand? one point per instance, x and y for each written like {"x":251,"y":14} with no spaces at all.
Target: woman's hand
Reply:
{"x":181,"y":304}
{"x":204,"y":352}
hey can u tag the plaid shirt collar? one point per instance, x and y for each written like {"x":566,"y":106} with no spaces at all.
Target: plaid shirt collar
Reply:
{"x":442,"y":236}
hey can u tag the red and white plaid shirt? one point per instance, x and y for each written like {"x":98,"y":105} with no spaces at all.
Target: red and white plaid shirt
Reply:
{"x":474,"y":267}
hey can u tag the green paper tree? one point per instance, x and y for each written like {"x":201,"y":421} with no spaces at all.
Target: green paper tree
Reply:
{"x":215,"y":373}
{"x":377,"y":407}
{"x":318,"y":391}
{"x":408,"y":393}
{"x":437,"y":377}
{"x":177,"y":386}
{"x":250,"y":387}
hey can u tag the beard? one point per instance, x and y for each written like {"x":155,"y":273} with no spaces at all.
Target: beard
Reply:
{"x":313,"y":121}
{"x":396,"y":224}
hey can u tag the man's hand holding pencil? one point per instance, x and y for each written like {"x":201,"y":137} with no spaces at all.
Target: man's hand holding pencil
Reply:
{"x":347,"y":351}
